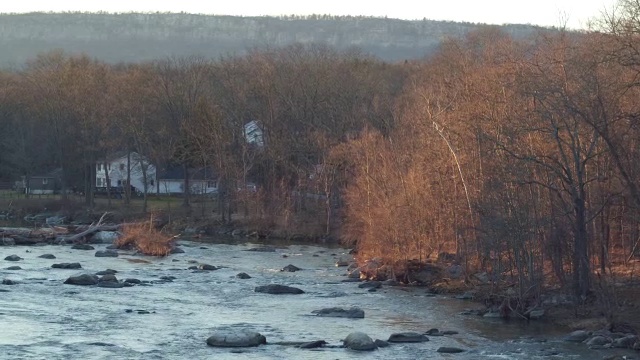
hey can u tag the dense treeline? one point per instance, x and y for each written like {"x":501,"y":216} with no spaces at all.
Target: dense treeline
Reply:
{"x":517,"y":156}
{"x":139,"y":37}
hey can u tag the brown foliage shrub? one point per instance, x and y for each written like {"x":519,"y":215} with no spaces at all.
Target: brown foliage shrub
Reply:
{"x":146,"y":239}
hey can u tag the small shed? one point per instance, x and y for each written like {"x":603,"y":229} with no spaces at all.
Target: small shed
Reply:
{"x":49,"y":183}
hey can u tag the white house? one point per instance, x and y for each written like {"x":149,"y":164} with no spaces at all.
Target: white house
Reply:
{"x":117,"y":164}
{"x":253,"y":133}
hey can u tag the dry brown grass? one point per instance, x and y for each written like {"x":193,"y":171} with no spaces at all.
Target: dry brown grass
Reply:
{"x":145,"y":238}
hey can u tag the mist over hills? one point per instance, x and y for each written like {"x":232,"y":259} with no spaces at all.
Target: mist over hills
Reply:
{"x":136,"y":37}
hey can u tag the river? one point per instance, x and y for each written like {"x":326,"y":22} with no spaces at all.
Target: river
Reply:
{"x":41,"y":318}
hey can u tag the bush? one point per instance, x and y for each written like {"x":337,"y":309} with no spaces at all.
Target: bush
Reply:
{"x":146,"y":239}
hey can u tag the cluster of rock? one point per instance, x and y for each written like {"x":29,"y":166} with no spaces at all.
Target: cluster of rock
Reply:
{"x":357,"y":341}
{"x":107,"y":280}
{"x":605,"y":339}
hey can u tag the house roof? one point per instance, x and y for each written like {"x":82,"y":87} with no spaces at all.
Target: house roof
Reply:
{"x":177,"y":173}
{"x":122,"y":154}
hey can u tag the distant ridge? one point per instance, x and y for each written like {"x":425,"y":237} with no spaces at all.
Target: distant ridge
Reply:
{"x":135,"y":37}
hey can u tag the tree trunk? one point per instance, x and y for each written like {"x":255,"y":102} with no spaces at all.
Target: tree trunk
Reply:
{"x":145,"y":186}
{"x":127,"y":189}
{"x":108,"y":180}
{"x":580,"y":255}
{"x":186,"y":203}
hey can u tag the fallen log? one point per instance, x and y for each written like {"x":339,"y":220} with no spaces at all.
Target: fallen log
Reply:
{"x":92,"y":229}
{"x":7,"y":231}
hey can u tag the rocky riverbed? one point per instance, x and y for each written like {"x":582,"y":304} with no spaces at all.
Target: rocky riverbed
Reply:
{"x":139,"y":307}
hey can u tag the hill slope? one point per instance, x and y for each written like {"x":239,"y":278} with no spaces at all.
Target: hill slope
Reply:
{"x":140,"y":37}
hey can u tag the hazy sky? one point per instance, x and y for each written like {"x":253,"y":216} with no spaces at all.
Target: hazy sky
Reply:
{"x":539,"y":12}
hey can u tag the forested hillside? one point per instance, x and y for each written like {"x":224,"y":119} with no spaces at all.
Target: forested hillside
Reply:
{"x":142,"y":37}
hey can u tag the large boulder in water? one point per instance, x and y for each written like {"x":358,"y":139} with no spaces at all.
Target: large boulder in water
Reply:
{"x":359,"y":341}
{"x":13,"y":258}
{"x":106,"y":253}
{"x":406,"y":337}
{"x":84,"y":279}
{"x":277,"y":289}
{"x":236,"y":338}
{"x":352,"y":313}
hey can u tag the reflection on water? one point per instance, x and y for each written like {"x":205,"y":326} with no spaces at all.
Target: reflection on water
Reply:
{"x":46,"y":319}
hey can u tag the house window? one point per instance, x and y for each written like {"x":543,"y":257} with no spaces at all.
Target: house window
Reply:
{"x":45,"y":181}
{"x":99,"y":167}
{"x":151,"y":182}
{"x":211,"y":184}
{"x":121,"y":167}
{"x":119,"y":182}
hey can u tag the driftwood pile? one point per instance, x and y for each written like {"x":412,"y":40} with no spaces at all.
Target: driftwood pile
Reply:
{"x":59,"y":234}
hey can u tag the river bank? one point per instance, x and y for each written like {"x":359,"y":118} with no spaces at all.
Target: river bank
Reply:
{"x":177,"y":305}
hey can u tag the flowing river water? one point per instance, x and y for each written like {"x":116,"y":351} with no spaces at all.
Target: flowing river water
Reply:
{"x":42,"y":318}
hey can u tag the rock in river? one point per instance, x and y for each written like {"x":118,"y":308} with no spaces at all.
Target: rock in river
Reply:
{"x":67,"y":266}
{"x":290,"y":268}
{"x":370,"y":285}
{"x":84,"y":279}
{"x":449,"y":350}
{"x":13,"y":258}
{"x":47,"y":256}
{"x":107,"y":272}
{"x":14,"y":268}
{"x":106,"y":253}
{"x":352,"y":313}
{"x":278,"y":289}
{"x":82,"y":247}
{"x":405,"y":337}
{"x":313,"y":344}
{"x":207,"y":267}
{"x":236,"y":338}
{"x":177,"y":250}
{"x":243,"y":276}
{"x":359,"y":341}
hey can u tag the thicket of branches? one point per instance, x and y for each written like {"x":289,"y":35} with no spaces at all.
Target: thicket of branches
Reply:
{"x":517,"y":156}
